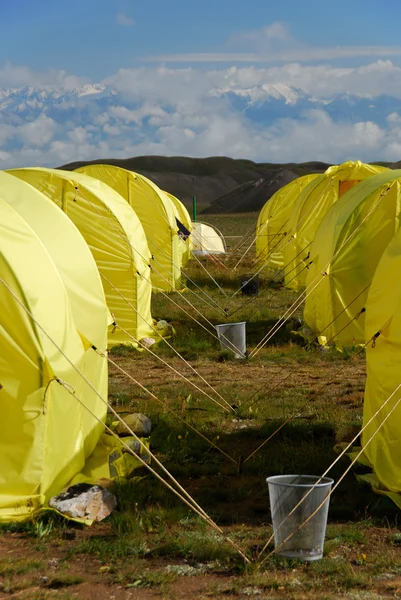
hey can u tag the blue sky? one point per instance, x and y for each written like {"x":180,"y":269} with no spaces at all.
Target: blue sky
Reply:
{"x":267,"y":80}
{"x":94,"y":38}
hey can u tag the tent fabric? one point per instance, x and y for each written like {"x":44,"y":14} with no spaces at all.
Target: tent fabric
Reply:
{"x":78,"y":271}
{"x":184,"y":218}
{"x":383,"y":314}
{"x":272,"y":225}
{"x":206,"y":240}
{"x":183,"y":214}
{"x":309,"y":211}
{"x":116,"y":239}
{"x":347,"y":247}
{"x":45,"y":435}
{"x":69,"y":252}
{"x":157,"y":214}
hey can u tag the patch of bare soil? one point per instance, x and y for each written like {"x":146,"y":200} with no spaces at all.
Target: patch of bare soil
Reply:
{"x":61,"y":574}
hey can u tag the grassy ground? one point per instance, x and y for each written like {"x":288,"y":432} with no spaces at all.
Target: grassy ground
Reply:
{"x":153,"y":546}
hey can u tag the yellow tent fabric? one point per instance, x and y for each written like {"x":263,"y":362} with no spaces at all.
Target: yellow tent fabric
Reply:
{"x":80,"y":276}
{"x":184,"y":217}
{"x":273,"y":220}
{"x":183,"y":214}
{"x":310,"y":209}
{"x":383,"y":314}
{"x":116,"y":238}
{"x":156,"y":212}
{"x":45,"y":435}
{"x":347,"y":247}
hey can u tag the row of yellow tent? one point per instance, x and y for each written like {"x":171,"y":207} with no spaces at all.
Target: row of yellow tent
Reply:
{"x":130,"y":226}
{"x":336,"y":237}
{"x":80,"y":255}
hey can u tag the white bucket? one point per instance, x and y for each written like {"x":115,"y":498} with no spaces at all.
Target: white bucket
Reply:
{"x":232,"y":337}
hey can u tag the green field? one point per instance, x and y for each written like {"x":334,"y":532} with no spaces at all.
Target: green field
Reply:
{"x":307,"y":401}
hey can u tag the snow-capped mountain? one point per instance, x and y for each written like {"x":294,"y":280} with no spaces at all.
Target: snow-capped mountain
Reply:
{"x":52,"y":125}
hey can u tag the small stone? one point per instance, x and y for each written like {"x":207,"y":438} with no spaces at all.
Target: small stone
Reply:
{"x":84,"y":501}
{"x":53,"y":563}
{"x":140,"y":424}
{"x":147,"y":342}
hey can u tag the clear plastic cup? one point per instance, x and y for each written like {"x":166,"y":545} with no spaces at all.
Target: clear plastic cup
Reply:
{"x":232,"y":337}
{"x":285,"y":492}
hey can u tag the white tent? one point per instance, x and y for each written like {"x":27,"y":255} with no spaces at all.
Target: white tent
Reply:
{"x":207,"y":240}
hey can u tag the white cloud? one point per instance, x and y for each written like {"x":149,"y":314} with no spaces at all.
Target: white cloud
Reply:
{"x":6,"y":132}
{"x":127,"y":115}
{"x":124,"y":20}
{"x":274,"y":43}
{"x":394,"y":117}
{"x":185,"y":111}
{"x":304,"y":55}
{"x":189,"y":86}
{"x":39,"y":132}
{"x":5,"y":156}
{"x":264,"y":39}
{"x":21,"y":76}
{"x":111,"y":129}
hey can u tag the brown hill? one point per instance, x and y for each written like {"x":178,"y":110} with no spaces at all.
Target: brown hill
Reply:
{"x":252,"y":195}
{"x":220,"y":184}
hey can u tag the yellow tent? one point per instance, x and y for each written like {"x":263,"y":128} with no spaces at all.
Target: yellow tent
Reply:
{"x":183,"y":214}
{"x":117,"y":241}
{"x":272,"y":225}
{"x":310,"y":209}
{"x":183,"y":217}
{"x":383,"y":314}
{"x":347,"y":247}
{"x":157,"y":214}
{"x":46,"y":436}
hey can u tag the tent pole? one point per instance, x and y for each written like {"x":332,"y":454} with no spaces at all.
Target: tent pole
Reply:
{"x":194,"y":208}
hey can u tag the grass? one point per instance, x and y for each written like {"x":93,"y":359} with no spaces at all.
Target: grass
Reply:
{"x":153,"y":541}
{"x":10,"y":567}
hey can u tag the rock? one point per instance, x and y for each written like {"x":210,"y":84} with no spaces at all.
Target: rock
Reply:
{"x":53,"y":563}
{"x":147,"y":342}
{"x":140,"y":424}
{"x":84,"y":501}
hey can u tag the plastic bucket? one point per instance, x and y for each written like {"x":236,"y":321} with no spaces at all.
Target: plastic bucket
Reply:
{"x":285,"y":492}
{"x":249,"y":285}
{"x":232,"y":337}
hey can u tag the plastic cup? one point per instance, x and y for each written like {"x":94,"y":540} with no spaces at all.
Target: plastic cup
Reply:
{"x":285,"y":492}
{"x":232,"y":337}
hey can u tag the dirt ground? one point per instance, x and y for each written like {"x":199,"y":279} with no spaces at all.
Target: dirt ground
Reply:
{"x":54,"y":573}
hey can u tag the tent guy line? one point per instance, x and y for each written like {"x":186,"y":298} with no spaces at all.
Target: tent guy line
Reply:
{"x":344,"y":474}
{"x":317,"y":280}
{"x":166,"y":407}
{"x":300,"y":408}
{"x":190,"y":502}
{"x":308,"y":359}
{"x":177,"y":353}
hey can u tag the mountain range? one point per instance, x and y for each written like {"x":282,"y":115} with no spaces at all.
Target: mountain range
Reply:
{"x":261,"y":104}
{"x":53,"y":125}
